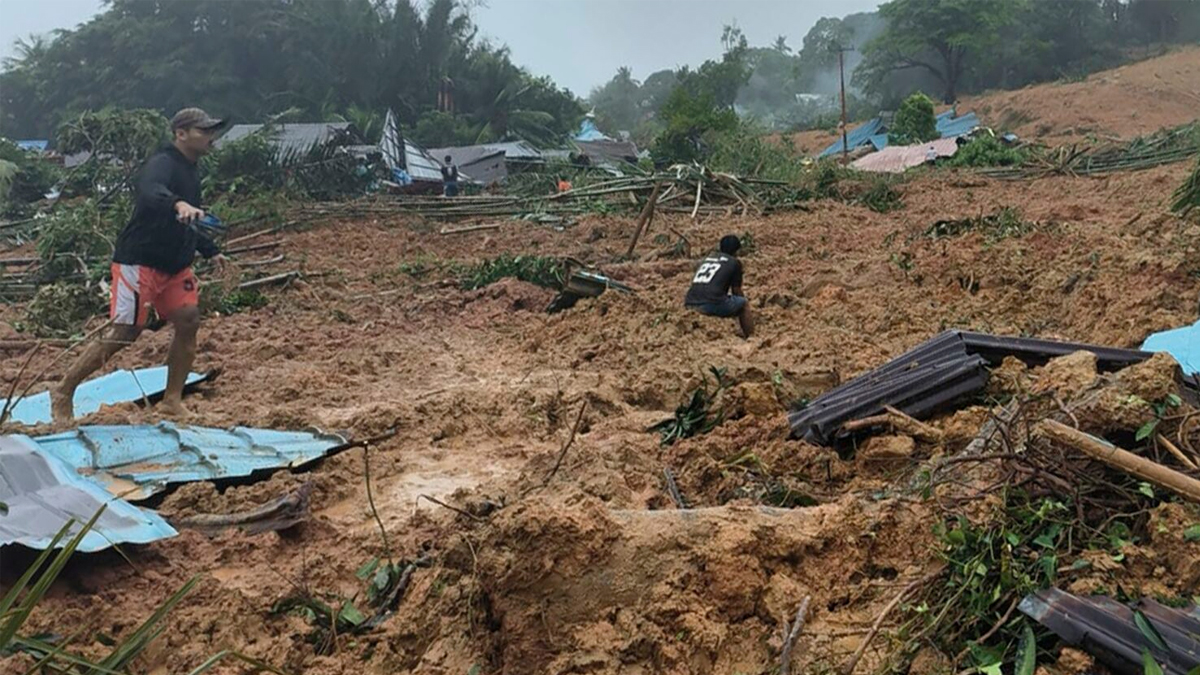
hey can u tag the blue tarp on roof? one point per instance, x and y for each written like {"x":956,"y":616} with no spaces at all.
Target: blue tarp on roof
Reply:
{"x":120,"y":386}
{"x":589,"y":132}
{"x":874,"y":132}
{"x":43,"y":494}
{"x":1181,"y":343}
{"x":138,"y":461}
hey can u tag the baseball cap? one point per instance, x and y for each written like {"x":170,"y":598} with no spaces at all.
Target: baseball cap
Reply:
{"x":190,"y":118}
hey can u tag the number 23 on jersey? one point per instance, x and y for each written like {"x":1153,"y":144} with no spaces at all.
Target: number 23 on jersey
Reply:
{"x":706,"y":272}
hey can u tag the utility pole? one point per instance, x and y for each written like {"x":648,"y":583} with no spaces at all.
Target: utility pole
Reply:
{"x":842,"y":72}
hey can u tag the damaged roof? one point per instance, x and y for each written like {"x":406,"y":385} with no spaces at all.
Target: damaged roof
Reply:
{"x":297,"y":137}
{"x":135,"y":462}
{"x":933,"y":374}
{"x":43,"y":494}
{"x":120,"y":386}
{"x":1109,"y":630}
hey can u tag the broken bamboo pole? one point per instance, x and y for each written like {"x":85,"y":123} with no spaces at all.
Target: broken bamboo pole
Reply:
{"x":644,"y":219}
{"x":471,"y":228}
{"x":1174,"y":450}
{"x":267,"y":281}
{"x":1099,"y":449}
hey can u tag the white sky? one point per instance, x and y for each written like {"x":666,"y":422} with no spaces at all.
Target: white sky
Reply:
{"x":578,"y":43}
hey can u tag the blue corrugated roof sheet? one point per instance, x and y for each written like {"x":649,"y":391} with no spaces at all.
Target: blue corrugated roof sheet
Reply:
{"x":36,"y":146}
{"x":1181,"y":343}
{"x":137,"y":461}
{"x":43,"y":494}
{"x":875,"y":132}
{"x":120,"y":386}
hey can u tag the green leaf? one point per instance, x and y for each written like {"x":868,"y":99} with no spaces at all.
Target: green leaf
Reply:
{"x":1149,"y":665}
{"x":1027,"y":654}
{"x":3,"y":509}
{"x":367,"y":569}
{"x":474,"y":669}
{"x":1194,"y":671}
{"x":350,"y":614}
{"x":1149,"y":631}
{"x":956,"y":537}
{"x":1192,"y":533}
{"x":1146,"y":489}
{"x":1146,"y":429}
{"x":1174,"y":401}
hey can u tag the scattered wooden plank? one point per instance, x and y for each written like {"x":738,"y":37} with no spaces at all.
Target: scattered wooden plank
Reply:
{"x":471,"y":228}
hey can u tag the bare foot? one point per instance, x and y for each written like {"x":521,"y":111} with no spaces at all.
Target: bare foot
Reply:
{"x":62,"y":405}
{"x":174,"y":409}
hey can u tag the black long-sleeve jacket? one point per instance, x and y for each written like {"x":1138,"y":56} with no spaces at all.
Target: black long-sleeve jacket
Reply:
{"x":153,"y":236}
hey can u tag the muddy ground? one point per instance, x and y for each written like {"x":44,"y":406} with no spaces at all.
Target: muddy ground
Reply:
{"x":596,"y":572}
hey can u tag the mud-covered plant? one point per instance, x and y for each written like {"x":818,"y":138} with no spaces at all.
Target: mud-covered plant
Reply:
{"x":881,"y":197}
{"x":541,"y":270}
{"x":62,"y":309}
{"x":214,"y":298}
{"x":987,"y":151}
{"x":1002,"y":224}
{"x":1186,"y":198}
{"x":696,"y":415}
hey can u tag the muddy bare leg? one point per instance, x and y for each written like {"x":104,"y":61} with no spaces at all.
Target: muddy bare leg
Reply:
{"x":186,"y":321}
{"x":94,"y":356}
{"x":746,"y":321}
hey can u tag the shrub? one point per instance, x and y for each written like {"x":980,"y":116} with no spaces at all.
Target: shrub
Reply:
{"x":914,"y":121}
{"x":987,"y":151}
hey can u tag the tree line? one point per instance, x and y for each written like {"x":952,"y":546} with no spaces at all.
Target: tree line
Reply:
{"x":322,"y":60}
{"x":943,"y":47}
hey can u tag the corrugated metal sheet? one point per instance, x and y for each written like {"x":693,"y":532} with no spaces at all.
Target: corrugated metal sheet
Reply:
{"x":1181,"y":343}
{"x":609,"y":153}
{"x":485,"y":170}
{"x":898,"y":158}
{"x":35,"y":146}
{"x":296,"y":138}
{"x":518,"y":150}
{"x":43,"y":494}
{"x":121,"y":386}
{"x":855,"y":137}
{"x":874,"y":132}
{"x":420,"y":165}
{"x":1108,"y":630}
{"x":136,"y":461}
{"x":933,"y":374}
{"x":392,"y":143}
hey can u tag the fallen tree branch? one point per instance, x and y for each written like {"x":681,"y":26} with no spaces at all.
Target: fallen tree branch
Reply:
{"x":277,"y":514}
{"x":1174,"y":450}
{"x":862,"y":648}
{"x":1099,"y":449}
{"x":561,"y":453}
{"x":472,"y":228}
{"x":789,"y":637}
{"x":444,"y":505}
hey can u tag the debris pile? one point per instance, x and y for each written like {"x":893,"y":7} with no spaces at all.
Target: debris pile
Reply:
{"x":1144,"y":152}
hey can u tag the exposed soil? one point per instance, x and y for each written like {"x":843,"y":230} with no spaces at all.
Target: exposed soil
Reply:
{"x":596,"y":571}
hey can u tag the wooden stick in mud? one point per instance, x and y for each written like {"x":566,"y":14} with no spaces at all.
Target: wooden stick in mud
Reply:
{"x":644,"y":219}
{"x":862,"y":648}
{"x":561,"y":453}
{"x":1174,"y":450}
{"x":790,"y":635}
{"x":899,"y":420}
{"x":1099,"y":449}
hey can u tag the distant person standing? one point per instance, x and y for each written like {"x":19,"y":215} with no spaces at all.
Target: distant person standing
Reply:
{"x":152,"y":263}
{"x":449,"y":178}
{"x":931,"y":155}
{"x":716,"y":288}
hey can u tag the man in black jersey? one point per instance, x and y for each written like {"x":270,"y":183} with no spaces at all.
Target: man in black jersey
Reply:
{"x":717,"y":286}
{"x":450,"y":178}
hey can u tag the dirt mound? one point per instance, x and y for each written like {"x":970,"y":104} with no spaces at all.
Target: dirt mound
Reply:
{"x":1108,"y":104}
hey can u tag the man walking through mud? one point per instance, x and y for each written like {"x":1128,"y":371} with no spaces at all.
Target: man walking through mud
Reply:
{"x":152,"y":263}
{"x":716,"y":288}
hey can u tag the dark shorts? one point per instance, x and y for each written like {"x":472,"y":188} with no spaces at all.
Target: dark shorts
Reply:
{"x":730,"y":305}
{"x":450,"y":189}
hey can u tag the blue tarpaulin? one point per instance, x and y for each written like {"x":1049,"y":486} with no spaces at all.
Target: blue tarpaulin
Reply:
{"x":120,"y":386}
{"x":33,"y":145}
{"x":1181,"y":343}
{"x":874,"y":132}
{"x":135,"y":462}
{"x":589,"y":132}
{"x":44,"y":494}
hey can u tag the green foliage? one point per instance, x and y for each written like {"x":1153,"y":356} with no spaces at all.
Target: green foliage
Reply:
{"x":544,"y":271}
{"x":77,"y":240}
{"x":214,"y":298}
{"x":986,"y":151}
{"x":244,"y":166}
{"x":61,"y":309}
{"x":914,"y":122}
{"x":1186,"y":197}
{"x":689,"y":117}
{"x":118,"y":141}
{"x":441,"y":129}
{"x":1004,"y":223}
{"x":881,"y":197}
{"x":744,"y":151}
{"x":27,"y":178}
{"x":695,"y":416}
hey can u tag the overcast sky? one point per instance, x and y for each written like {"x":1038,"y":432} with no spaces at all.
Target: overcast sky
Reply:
{"x":579,"y":43}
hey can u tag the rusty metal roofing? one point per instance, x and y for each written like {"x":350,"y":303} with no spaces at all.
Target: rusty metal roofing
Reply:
{"x":936,"y":373}
{"x":1109,"y":630}
{"x":43,"y":494}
